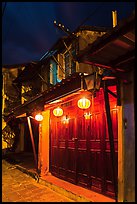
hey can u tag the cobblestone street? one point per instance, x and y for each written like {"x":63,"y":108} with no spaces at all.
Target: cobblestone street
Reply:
{"x":20,"y":187}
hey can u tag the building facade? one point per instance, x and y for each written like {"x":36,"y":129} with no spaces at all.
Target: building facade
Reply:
{"x":116,"y":51}
{"x":86,"y":143}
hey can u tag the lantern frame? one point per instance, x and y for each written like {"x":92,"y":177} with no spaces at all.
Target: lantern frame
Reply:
{"x":93,"y":81}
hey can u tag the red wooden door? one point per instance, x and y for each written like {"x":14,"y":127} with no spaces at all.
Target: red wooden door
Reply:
{"x":80,"y":148}
{"x":63,"y":149}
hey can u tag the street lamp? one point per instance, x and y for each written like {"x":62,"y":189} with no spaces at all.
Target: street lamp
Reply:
{"x":93,"y":81}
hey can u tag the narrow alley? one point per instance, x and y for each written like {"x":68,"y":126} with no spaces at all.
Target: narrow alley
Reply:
{"x":20,"y":187}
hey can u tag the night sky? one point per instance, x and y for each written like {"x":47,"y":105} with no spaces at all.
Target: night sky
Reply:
{"x":28,"y":29}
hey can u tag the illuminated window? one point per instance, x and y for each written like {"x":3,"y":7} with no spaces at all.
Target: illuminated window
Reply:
{"x":67,"y":64}
{"x":53,"y":72}
{"x":69,"y":55}
{"x":60,"y":67}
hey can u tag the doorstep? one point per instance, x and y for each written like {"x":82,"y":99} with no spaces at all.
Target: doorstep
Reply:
{"x":72,"y":191}
{"x":67,"y":189}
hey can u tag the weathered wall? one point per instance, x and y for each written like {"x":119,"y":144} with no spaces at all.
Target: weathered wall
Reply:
{"x":86,"y":38}
{"x":129,"y":139}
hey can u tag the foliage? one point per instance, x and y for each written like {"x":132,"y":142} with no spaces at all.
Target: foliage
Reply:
{"x":8,"y":136}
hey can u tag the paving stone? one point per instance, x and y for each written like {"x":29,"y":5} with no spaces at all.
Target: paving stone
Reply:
{"x":19,"y":187}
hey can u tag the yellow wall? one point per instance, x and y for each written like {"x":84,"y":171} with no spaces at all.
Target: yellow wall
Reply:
{"x":120,"y":155}
{"x":43,"y":163}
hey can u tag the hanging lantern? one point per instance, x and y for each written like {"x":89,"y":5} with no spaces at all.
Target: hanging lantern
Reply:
{"x":58,"y":112}
{"x":93,"y":81}
{"x":83,"y":103}
{"x":39,"y":117}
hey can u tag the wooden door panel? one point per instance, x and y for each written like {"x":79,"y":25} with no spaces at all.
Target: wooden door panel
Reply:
{"x":81,"y":164}
{"x":80,"y":148}
{"x":95,"y":149}
{"x":82,"y":145}
{"x":71,"y":165}
{"x":82,"y":168}
{"x":71,"y":151}
{"x":109,"y":174}
{"x":95,"y":145}
{"x":96,"y":184}
{"x":71,"y":145}
{"x":62,"y":162}
{"x":62,"y":144}
{"x":54,"y":159}
{"x":71,"y":159}
{"x":96,"y":170}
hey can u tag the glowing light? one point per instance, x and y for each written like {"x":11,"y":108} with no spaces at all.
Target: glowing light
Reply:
{"x":56,"y":101}
{"x":87,"y":115}
{"x":58,"y":112}
{"x":39,"y":117}
{"x":65,"y":119}
{"x":84,"y":103}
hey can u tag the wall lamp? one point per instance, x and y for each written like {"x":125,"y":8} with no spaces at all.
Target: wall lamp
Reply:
{"x":37,"y":117}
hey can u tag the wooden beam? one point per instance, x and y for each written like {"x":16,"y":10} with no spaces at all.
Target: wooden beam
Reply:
{"x":111,"y":140}
{"x":33,"y":144}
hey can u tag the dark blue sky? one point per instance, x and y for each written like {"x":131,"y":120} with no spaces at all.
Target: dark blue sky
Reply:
{"x":28,"y":31}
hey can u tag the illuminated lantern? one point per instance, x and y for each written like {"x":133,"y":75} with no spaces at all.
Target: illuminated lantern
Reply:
{"x":39,"y":117}
{"x":58,"y":112}
{"x":83,"y":103}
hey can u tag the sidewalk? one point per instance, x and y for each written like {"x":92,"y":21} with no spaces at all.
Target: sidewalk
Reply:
{"x":20,"y":187}
{"x":25,"y":163}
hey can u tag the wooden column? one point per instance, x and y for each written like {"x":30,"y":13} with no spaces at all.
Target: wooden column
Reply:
{"x":33,"y":144}
{"x":111,"y":140}
{"x":120,"y":155}
{"x":44,"y":144}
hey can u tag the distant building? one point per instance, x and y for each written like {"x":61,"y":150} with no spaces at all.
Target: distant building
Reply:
{"x":10,"y":95}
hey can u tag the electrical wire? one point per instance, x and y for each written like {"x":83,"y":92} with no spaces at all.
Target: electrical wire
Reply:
{"x":4,"y":9}
{"x":88,"y":17}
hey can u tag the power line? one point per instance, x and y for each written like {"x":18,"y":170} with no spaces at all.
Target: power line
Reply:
{"x":4,"y":9}
{"x":67,"y":31}
{"x":88,"y":17}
